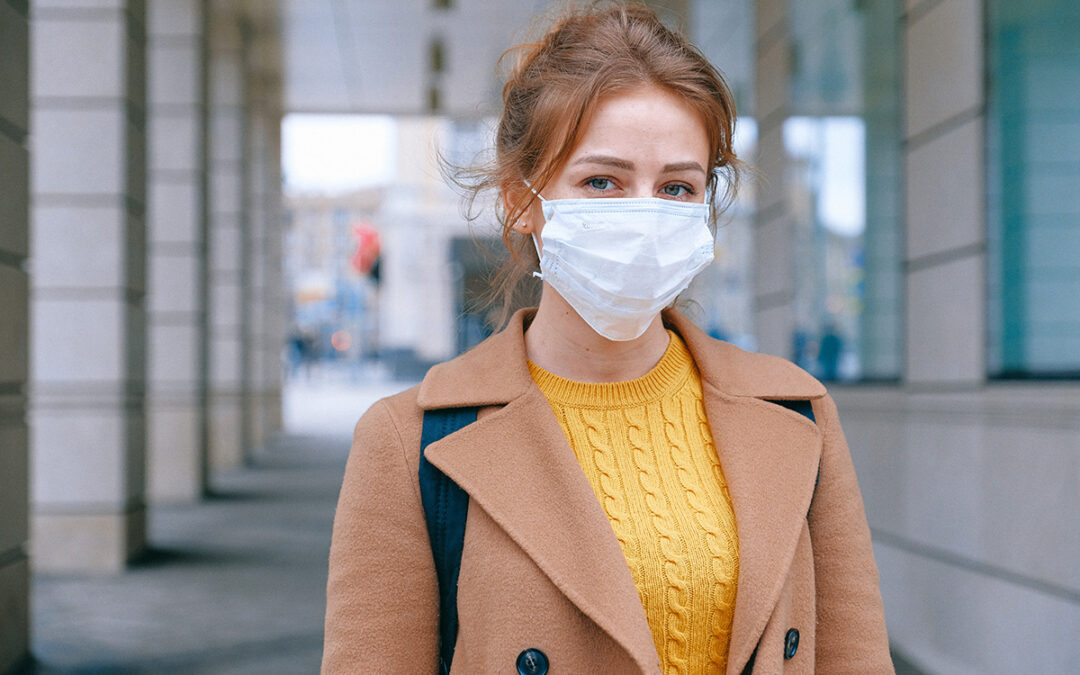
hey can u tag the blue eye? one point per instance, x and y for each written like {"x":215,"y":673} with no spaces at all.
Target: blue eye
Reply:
{"x":677,"y":190}
{"x":599,"y":183}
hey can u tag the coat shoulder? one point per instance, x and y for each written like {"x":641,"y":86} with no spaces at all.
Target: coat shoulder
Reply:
{"x":742,"y":373}
{"x":393,"y":420}
{"x":402,"y":405}
{"x":493,"y":372}
{"x":737,"y":372}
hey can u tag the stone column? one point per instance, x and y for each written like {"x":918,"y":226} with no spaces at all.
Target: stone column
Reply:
{"x":177,"y":254}
{"x":880,"y":322}
{"x":14,"y":308}
{"x":88,"y":322}
{"x":274,"y":281}
{"x":228,"y":216}
{"x":266,"y":306}
{"x":946,"y":239}
{"x":255,"y":291}
{"x":774,"y":226}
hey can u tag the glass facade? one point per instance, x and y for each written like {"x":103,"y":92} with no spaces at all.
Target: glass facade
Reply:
{"x":844,"y":178}
{"x":1033,"y":188}
{"x":720,"y":299}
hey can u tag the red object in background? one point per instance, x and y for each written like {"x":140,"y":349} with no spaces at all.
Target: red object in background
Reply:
{"x":341,"y":340}
{"x":367,"y":247}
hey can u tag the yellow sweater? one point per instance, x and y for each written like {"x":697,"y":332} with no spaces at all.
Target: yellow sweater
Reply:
{"x":646,"y":448}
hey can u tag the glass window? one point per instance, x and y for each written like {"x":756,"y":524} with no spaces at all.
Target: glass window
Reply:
{"x":720,"y":299}
{"x":1033,"y":188}
{"x":842,"y":142}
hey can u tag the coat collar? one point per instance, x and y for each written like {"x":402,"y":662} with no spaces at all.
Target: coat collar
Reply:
{"x":516,"y":464}
{"x":497,"y":372}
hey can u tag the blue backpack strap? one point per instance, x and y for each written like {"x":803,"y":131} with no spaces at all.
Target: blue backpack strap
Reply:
{"x":445,"y":508}
{"x":806,"y":409}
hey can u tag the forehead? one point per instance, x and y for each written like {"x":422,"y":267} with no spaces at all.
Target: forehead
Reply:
{"x":645,"y":123}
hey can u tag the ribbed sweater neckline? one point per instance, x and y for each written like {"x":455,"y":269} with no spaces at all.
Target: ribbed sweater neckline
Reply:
{"x":670,"y":373}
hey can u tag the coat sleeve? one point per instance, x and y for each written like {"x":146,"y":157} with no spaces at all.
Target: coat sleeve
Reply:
{"x":381,"y":593}
{"x":850,"y":635}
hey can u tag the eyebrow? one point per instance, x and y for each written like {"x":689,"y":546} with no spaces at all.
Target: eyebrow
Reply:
{"x":606,"y":160}
{"x":683,"y":166}
{"x":618,"y":163}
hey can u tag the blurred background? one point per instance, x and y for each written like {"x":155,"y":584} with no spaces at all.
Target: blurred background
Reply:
{"x":224,"y":233}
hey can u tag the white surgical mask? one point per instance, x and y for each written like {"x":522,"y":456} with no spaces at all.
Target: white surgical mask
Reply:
{"x":618,"y":261}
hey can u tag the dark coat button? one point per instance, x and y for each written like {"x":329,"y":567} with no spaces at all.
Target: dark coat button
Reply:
{"x":532,"y":662}
{"x":791,"y":643}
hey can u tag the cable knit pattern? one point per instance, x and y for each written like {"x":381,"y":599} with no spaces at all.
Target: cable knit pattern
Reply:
{"x":647,"y":450}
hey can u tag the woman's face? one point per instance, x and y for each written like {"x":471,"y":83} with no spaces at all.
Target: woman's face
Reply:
{"x":645,"y":142}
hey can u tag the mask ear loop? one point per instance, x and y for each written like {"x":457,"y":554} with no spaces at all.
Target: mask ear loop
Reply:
{"x":536,"y":242}
{"x":529,"y":185}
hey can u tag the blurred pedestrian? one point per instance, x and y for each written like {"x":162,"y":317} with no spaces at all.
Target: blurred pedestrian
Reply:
{"x":830,"y":349}
{"x":640,"y":497}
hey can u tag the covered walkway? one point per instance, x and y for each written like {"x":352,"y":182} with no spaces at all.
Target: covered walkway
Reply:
{"x":145,"y":300}
{"x":232,"y":584}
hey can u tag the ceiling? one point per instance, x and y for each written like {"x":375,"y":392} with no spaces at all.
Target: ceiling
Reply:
{"x":409,"y":57}
{"x":375,"y":56}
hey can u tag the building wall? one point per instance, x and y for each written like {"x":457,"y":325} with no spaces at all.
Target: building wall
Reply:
{"x":971,"y":484}
{"x":14,"y":310}
{"x":178,"y":51}
{"x":228,"y":237}
{"x":88,"y":283}
{"x":972,"y":500}
{"x":418,"y":219}
{"x":262,"y":284}
{"x":74,"y":279}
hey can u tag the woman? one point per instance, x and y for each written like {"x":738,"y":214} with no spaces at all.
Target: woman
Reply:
{"x":641,"y":498}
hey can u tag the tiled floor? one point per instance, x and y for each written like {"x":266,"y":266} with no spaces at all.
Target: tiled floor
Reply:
{"x":231,"y":585}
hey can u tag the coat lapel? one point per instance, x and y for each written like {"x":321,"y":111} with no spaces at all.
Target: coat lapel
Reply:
{"x":517,"y":465}
{"x":770,"y":458}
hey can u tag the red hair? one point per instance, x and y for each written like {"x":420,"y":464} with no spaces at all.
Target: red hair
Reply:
{"x":555,"y":85}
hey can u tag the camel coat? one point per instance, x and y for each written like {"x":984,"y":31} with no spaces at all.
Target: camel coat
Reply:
{"x":541,"y":566}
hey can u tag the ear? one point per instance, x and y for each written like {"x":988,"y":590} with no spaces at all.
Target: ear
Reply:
{"x":512,"y":194}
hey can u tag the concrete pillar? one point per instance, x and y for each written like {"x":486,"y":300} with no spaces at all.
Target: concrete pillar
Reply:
{"x":178,"y":53}
{"x":265,"y":311}
{"x":881,"y":327}
{"x":228,"y":235}
{"x":88,"y":322}
{"x":774,"y":225}
{"x":255,"y":291}
{"x":274,"y":298}
{"x":14,"y":308}
{"x":945,"y":168}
